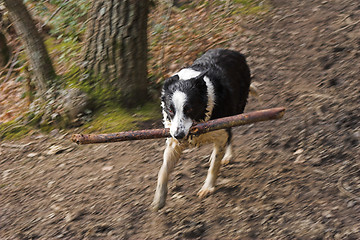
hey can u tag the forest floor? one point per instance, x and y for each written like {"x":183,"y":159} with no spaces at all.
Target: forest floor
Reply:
{"x":294,"y":178}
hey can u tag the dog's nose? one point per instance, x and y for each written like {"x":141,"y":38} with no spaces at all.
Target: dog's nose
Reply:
{"x":179,"y":135}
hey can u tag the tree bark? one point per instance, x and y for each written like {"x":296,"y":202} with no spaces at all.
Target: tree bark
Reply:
{"x":116,"y":48}
{"x":4,"y":50}
{"x":34,"y":45}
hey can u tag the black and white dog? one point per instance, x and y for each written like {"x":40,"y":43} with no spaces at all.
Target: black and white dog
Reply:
{"x":216,"y":85}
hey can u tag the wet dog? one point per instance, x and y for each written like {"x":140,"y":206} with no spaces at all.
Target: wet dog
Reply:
{"x":216,"y":85}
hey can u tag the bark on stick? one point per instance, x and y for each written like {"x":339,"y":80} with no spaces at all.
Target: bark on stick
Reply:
{"x":212,"y":125}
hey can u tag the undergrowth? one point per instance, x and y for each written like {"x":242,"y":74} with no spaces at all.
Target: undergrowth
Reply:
{"x":13,"y":130}
{"x":176,"y":36}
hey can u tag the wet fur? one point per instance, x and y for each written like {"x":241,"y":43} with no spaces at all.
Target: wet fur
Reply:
{"x":216,"y":85}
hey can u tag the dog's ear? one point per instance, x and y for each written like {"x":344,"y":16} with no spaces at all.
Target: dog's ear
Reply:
{"x":169,"y":81}
{"x":199,"y":80}
{"x":201,"y":76}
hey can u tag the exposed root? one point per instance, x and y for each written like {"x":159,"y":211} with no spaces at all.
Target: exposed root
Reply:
{"x":346,"y":192}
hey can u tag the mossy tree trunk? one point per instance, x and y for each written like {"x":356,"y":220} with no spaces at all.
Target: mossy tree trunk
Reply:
{"x":116,"y":48}
{"x":34,"y":45}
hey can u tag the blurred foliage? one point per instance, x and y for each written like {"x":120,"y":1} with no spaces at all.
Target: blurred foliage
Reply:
{"x":176,"y":36}
{"x":64,"y":23}
{"x":180,"y":35}
{"x":68,"y":17}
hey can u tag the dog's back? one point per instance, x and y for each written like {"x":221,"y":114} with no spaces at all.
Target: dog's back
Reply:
{"x":230,"y":75}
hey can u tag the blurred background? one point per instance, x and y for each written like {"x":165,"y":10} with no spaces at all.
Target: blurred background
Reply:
{"x":80,"y":66}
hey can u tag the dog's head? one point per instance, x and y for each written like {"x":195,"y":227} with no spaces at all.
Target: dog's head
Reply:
{"x":184,"y":103}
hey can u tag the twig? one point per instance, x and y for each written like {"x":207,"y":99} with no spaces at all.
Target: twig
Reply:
{"x":10,"y":145}
{"x":217,"y":24}
{"x":12,"y":65}
{"x":54,"y":13}
{"x":346,"y":192}
{"x":346,"y":27}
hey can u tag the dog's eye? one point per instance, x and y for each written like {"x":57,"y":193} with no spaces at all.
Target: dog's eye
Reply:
{"x":187,"y":110}
{"x":171,"y":110}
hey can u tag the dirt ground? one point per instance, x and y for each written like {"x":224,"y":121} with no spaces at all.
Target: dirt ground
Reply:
{"x":295,"y":178}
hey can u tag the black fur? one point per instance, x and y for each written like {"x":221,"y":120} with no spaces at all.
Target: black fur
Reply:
{"x":230,"y":75}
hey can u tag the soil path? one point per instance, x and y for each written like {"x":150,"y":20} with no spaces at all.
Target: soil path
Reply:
{"x":296,"y":178}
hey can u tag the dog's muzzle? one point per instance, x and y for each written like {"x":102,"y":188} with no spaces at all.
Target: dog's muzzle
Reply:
{"x":179,"y":135}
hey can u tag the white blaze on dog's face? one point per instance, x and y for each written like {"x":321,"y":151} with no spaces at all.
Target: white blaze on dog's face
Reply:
{"x":184,"y":102}
{"x":180,"y":123}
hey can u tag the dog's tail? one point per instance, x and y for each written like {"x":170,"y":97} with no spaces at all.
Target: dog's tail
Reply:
{"x":254,"y":92}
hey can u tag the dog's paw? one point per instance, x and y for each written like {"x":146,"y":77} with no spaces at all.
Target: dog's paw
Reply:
{"x":228,"y":156}
{"x":226,"y":160}
{"x":157,"y":205}
{"x":205,"y":191}
{"x":159,"y":199}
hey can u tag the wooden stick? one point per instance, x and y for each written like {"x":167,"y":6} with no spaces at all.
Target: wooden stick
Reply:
{"x":212,"y":125}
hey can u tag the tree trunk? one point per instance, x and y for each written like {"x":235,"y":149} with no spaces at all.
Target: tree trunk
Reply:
{"x":116,"y":48}
{"x":34,"y":45}
{"x":4,"y":50}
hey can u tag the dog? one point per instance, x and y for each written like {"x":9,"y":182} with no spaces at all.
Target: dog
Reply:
{"x":216,"y":85}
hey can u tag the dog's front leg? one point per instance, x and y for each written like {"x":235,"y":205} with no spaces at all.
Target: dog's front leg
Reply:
{"x":215,"y":162}
{"x":171,"y":156}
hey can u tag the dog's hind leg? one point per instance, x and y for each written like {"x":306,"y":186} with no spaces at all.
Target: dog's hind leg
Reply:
{"x":228,"y":151}
{"x":171,"y":156}
{"x":215,"y":162}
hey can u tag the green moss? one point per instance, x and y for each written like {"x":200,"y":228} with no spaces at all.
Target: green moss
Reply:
{"x":251,"y":7}
{"x":13,"y":130}
{"x":63,"y":51}
{"x":100,"y":92}
{"x":117,"y":119}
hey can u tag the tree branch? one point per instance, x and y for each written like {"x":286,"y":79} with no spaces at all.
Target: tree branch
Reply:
{"x":212,"y":125}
